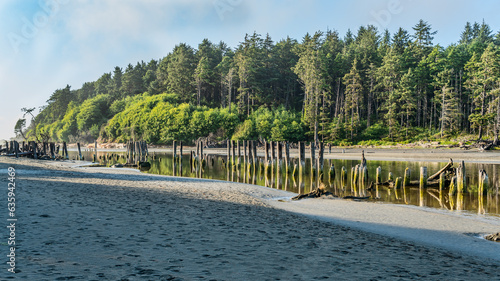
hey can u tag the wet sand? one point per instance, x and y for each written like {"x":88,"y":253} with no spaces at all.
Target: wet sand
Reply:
{"x":118,"y":224}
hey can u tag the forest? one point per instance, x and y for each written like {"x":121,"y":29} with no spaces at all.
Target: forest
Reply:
{"x":366,"y":87}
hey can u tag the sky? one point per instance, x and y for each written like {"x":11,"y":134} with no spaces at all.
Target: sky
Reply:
{"x":48,"y":44}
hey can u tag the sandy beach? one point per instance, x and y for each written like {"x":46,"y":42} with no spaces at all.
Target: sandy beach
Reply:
{"x":81,"y":223}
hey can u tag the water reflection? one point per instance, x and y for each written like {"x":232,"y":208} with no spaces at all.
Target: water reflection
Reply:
{"x":298,"y":178}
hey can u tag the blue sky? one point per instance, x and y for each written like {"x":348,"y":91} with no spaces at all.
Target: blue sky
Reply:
{"x":48,"y":44}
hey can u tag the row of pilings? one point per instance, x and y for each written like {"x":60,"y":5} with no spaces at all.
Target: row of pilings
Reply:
{"x":36,"y":150}
{"x":274,"y":159}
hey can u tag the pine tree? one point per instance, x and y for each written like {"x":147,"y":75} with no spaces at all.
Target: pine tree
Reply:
{"x":353,"y":98}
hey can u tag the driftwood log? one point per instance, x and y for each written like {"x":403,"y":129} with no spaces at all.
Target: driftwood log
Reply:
{"x":493,"y":237}
{"x":321,"y":192}
{"x":443,"y":170}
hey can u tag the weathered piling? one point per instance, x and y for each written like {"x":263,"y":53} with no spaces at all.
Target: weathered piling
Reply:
{"x":378,"y":175}
{"x":313,"y":159}
{"x":461,"y":180}
{"x":482,"y":186}
{"x":273,"y":151}
{"x":397,"y":184}
{"x":423,"y":177}
{"x":406,"y":180}
{"x":233,"y":152}
{"x":343,"y":176}
{"x":266,"y":151}
{"x":280,"y":152}
{"x":302,"y":155}
{"x":201,"y":150}
{"x":244,"y":151}
{"x":65,"y":151}
{"x":287,"y":157}
{"x":16,"y":149}
{"x":79,"y":151}
{"x":35,"y":149}
{"x":228,"y":153}
{"x":238,"y":148}
{"x":254,"y":153}
{"x":331,"y":174}
{"x":390,"y":176}
{"x":52,"y":150}
{"x":321,"y":151}
{"x":180,"y":150}
{"x":250,"y":152}
{"x":364,"y":176}
{"x":174,"y":150}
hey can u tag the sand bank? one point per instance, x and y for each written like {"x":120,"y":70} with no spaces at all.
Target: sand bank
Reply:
{"x":116,"y":224}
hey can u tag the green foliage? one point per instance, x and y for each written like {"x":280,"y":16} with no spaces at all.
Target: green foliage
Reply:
{"x":92,"y":112}
{"x":245,"y":131}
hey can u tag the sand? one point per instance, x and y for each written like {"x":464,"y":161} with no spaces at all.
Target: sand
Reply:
{"x":81,"y":223}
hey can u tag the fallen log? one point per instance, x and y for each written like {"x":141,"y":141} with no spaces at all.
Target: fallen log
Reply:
{"x":486,"y":147}
{"x":444,"y":169}
{"x":318,"y":192}
{"x":493,"y":237}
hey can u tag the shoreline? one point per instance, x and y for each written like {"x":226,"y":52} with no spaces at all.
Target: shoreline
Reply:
{"x":129,"y":217}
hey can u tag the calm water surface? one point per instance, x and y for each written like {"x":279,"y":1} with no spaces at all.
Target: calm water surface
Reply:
{"x":214,"y":168}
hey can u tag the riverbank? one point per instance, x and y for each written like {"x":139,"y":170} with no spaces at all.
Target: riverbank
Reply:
{"x":88,"y":223}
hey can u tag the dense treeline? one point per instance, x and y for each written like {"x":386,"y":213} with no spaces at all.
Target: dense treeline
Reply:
{"x":368,"y":85}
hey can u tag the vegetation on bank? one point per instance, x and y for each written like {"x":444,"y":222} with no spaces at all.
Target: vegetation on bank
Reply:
{"x":365,"y":88}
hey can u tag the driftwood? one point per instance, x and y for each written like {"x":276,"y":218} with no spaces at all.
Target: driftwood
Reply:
{"x":493,"y":237}
{"x":321,"y":192}
{"x":318,"y":192}
{"x":486,"y":147}
{"x":444,"y":169}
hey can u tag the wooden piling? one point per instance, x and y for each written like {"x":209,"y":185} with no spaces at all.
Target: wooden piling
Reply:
{"x":244,"y":152}
{"x":331,"y":174}
{"x":65,"y":151}
{"x":35,"y":148}
{"x":378,"y":175}
{"x":423,"y":177}
{"x":174,"y":150}
{"x":461,"y":179}
{"x":16,"y":149}
{"x":238,"y":148}
{"x":52,"y":152}
{"x":390,"y":177}
{"x":320,"y":156}
{"x":254,"y":152}
{"x":228,"y":153}
{"x":397,"y":184}
{"x":287,"y":157}
{"x":79,"y":151}
{"x":273,"y":151}
{"x":266,"y":151}
{"x":313,"y":158}
{"x":406,"y":180}
{"x":343,"y":176}
{"x":180,"y":151}
{"x":482,"y":186}
{"x":302,"y":154}
{"x":233,"y":151}
{"x":441,"y":182}
{"x":280,"y":152}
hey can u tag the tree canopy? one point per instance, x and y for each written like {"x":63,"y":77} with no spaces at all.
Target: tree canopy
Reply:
{"x":366,"y":85}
